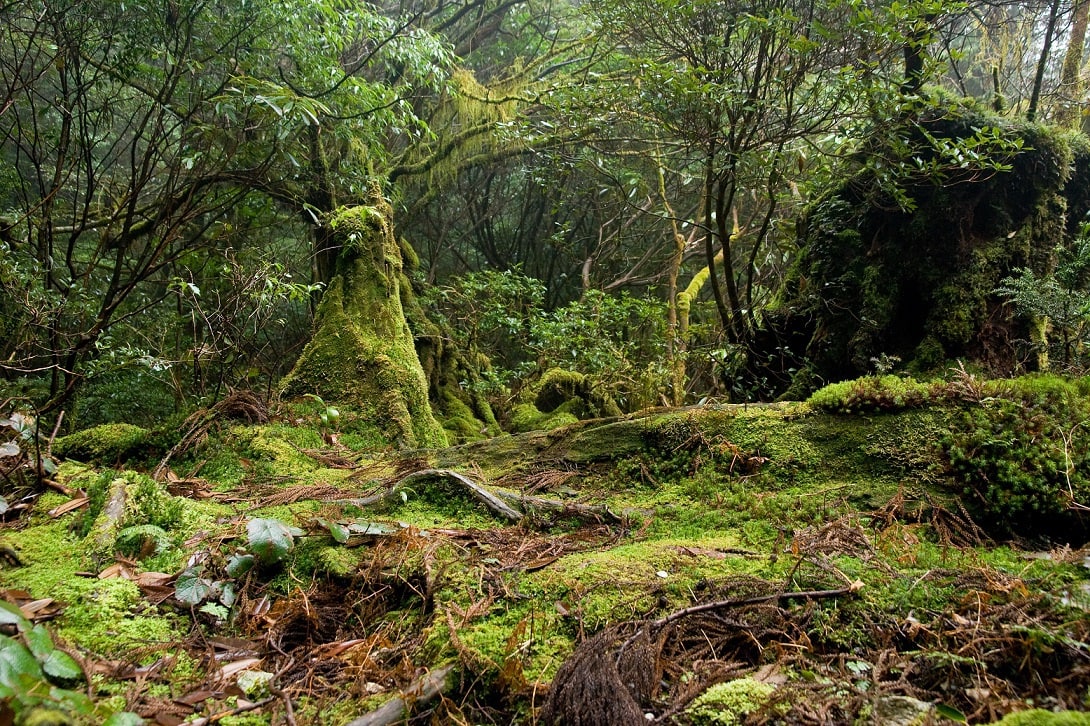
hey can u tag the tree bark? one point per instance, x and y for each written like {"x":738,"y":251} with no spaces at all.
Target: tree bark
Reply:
{"x":362,"y":353}
{"x":1069,"y":112}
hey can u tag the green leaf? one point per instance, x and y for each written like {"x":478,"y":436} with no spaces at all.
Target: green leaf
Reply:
{"x":949,"y":712}
{"x":219,"y":612}
{"x":372,"y":529}
{"x":228,"y":594}
{"x":124,"y":718}
{"x":191,"y":588}
{"x":336,"y":530}
{"x":61,"y":666}
{"x":238,"y":565}
{"x":16,"y":664}
{"x":11,"y":615}
{"x":9,"y":448}
{"x":40,"y":642}
{"x":270,"y":539}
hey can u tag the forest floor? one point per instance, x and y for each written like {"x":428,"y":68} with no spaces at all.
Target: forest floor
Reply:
{"x":711,"y":565}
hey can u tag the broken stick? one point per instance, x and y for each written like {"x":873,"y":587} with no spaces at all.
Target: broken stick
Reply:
{"x":422,"y":690}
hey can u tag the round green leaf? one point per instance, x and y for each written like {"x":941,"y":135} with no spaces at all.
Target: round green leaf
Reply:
{"x":124,"y":718}
{"x":270,"y":539}
{"x":40,"y":642}
{"x":191,"y":588}
{"x":12,"y":615}
{"x":238,"y":565}
{"x":16,"y":664}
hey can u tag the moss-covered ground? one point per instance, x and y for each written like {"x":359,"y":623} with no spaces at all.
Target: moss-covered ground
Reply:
{"x":912,"y":608}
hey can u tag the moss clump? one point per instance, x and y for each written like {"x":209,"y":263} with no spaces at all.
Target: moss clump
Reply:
{"x":1041,"y":717}
{"x":105,"y":444}
{"x":562,"y":397}
{"x":727,"y":704}
{"x":872,"y":393}
{"x":1020,"y":458}
{"x":362,"y":351}
{"x":527,"y":417}
{"x":559,"y":387}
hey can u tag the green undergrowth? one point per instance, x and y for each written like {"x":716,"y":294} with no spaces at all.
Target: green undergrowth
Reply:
{"x":715,"y":503}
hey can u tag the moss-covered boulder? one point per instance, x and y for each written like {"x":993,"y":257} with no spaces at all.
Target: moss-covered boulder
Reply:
{"x":362,"y":351}
{"x":562,"y":397}
{"x":904,"y":257}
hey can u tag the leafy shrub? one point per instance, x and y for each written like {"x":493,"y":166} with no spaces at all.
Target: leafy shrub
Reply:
{"x":873,"y":393}
{"x":136,"y":394}
{"x":1022,"y":455}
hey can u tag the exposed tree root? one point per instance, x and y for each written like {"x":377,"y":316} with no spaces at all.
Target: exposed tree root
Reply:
{"x":498,"y":501}
{"x":612,"y":677}
{"x":104,"y":531}
{"x":239,"y":405}
{"x":422,"y":690}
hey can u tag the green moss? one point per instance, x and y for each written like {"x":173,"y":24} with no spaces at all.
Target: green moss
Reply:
{"x":1040,"y":717}
{"x":527,"y":417}
{"x":872,"y":393}
{"x":575,"y":392}
{"x":110,"y":618}
{"x":362,"y":350}
{"x":106,"y":444}
{"x":727,"y":704}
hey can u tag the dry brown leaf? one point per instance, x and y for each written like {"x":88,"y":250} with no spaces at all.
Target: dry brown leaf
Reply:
{"x":235,"y":667}
{"x":69,"y":506}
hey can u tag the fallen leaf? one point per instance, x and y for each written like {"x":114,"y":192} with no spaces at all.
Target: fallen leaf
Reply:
{"x":194,"y":697}
{"x":230,"y":669}
{"x":69,"y":506}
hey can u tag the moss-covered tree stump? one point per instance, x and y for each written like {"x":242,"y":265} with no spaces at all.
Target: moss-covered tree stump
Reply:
{"x":362,"y":352}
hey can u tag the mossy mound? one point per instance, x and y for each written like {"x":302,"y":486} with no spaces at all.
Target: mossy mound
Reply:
{"x":904,"y":258}
{"x":362,"y":353}
{"x":106,"y":444}
{"x":562,"y":397}
{"x":728,"y":704}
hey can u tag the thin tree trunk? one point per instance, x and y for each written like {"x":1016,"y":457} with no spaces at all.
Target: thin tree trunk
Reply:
{"x":1069,"y":112}
{"x":1046,"y":51}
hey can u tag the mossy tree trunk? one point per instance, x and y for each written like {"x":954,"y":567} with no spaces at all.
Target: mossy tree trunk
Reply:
{"x":362,"y":353}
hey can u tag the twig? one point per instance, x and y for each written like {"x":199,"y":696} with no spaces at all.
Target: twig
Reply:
{"x":233,"y":712}
{"x":422,"y":690}
{"x":53,"y":436}
{"x":776,"y":596}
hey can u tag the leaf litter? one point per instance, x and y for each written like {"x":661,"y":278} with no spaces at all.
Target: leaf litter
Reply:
{"x":826,"y":640}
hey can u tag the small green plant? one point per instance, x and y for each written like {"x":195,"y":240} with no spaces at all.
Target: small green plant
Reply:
{"x":328,"y":415}
{"x":36,"y":675}
{"x":1059,"y":299}
{"x":1022,"y":455}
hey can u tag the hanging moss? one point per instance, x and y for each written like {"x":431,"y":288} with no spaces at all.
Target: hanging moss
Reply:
{"x":362,"y":351}
{"x":909,"y":269}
